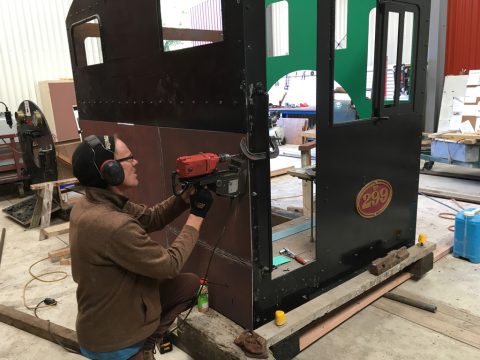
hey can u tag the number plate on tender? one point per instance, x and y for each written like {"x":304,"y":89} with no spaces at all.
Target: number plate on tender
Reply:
{"x":374,"y":198}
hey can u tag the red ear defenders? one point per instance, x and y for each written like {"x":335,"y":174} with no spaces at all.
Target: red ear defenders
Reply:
{"x":110,"y":170}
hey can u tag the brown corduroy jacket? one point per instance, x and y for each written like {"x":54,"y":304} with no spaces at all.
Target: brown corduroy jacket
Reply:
{"x":118,"y":267}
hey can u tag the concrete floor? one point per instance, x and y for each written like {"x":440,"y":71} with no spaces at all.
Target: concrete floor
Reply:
{"x":371,"y":334}
{"x":22,"y":249}
{"x":374,"y":334}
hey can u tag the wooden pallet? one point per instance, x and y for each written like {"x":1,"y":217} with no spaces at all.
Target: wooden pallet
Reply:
{"x":469,"y":139}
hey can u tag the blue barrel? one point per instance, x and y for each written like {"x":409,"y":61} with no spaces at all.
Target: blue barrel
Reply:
{"x":466,"y":240}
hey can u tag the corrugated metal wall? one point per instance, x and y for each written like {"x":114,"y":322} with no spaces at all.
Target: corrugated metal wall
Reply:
{"x":463,"y":36}
{"x":206,"y":16}
{"x":33,"y":47}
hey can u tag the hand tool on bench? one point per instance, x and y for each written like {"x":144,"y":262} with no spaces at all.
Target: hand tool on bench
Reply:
{"x":287,"y":252}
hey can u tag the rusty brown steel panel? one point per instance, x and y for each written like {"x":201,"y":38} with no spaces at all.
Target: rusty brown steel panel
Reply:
{"x":230,"y":284}
{"x":463,"y":36}
{"x":227,"y":223}
{"x":234,"y":214}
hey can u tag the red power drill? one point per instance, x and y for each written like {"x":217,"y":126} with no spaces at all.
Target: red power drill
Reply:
{"x":201,"y":170}
{"x":199,"y":164}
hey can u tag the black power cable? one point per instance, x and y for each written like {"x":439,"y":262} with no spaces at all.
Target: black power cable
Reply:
{"x":183,"y":321}
{"x":8,"y":115}
{"x":52,"y":302}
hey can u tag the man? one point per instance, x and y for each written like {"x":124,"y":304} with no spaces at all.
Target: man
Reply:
{"x":130,"y":288}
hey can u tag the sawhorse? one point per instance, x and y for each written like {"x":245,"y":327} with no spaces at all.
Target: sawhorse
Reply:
{"x":43,"y":207}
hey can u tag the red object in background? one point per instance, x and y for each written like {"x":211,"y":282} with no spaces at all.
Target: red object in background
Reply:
{"x":463,"y":40}
{"x":196,"y":165}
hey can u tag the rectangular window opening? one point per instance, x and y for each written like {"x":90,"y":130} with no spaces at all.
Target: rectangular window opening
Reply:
{"x":392,"y":48}
{"x":190,"y":23}
{"x":406,"y":80}
{"x":87,"y":43}
{"x":277,"y":29}
{"x":341,"y":21}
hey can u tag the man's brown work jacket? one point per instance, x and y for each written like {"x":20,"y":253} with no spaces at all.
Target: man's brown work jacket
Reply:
{"x":118,"y":267}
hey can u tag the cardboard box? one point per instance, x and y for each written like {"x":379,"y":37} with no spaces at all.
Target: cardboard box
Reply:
{"x":293,"y":129}
{"x":471,"y":118}
{"x":57,"y":98}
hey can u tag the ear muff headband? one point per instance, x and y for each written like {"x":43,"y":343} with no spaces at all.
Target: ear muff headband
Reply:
{"x":110,"y":170}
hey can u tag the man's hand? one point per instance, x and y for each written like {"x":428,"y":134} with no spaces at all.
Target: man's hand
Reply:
{"x":200,"y":202}
{"x":188,"y":193}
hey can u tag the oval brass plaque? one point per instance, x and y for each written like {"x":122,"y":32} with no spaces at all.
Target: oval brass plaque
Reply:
{"x":374,"y":198}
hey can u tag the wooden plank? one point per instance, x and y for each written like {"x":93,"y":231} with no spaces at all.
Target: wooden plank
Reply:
{"x":47,"y":197}
{"x":291,"y":223}
{"x":439,"y":322}
{"x":37,"y":211}
{"x":210,"y":336}
{"x":65,"y":262}
{"x":56,"y":230}
{"x":331,"y":323}
{"x":192,"y":34}
{"x":41,"y":328}
{"x":58,"y":254}
{"x":216,"y":333}
{"x":340,"y":295}
{"x":282,"y":171}
{"x":450,"y":195}
{"x":54,"y":183}
{"x":443,"y":248}
{"x":302,"y":173}
{"x":454,"y":136}
{"x":312,"y":133}
{"x":64,"y":159}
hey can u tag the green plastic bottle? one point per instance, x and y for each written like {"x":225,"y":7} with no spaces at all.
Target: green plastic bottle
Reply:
{"x":202,"y":301}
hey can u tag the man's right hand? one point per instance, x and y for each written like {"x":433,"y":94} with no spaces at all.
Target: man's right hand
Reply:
{"x":200,"y":202}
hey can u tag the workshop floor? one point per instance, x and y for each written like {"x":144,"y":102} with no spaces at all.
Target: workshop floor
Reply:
{"x":378,"y":334}
{"x":373,"y":334}
{"x":22,"y":249}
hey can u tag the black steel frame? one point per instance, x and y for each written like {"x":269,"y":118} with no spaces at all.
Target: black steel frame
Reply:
{"x":221,"y":87}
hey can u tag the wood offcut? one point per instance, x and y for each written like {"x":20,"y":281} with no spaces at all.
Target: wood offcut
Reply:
{"x":393,"y":258}
{"x":39,"y":327}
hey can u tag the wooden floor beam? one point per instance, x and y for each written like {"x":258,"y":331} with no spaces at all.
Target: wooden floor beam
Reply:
{"x":324,"y":327}
{"x":39,"y":327}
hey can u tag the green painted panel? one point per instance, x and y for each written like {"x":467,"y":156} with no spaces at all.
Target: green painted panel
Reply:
{"x":302,"y":30}
{"x":350,"y":63}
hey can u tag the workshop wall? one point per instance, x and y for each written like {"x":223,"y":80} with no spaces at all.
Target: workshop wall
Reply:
{"x":33,"y":47}
{"x":463,"y":40}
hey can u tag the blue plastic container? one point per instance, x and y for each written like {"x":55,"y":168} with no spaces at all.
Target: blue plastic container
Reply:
{"x":466,"y":240}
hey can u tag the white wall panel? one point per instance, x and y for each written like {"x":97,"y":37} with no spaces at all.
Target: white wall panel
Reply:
{"x":33,"y":47}
{"x":341,"y":18}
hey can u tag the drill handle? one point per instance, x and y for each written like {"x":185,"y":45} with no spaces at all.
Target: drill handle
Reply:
{"x":178,"y":187}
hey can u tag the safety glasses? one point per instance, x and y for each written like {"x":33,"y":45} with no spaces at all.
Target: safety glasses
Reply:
{"x":127,"y":158}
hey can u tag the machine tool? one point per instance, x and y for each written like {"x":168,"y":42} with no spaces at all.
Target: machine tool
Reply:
{"x":202,"y":170}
